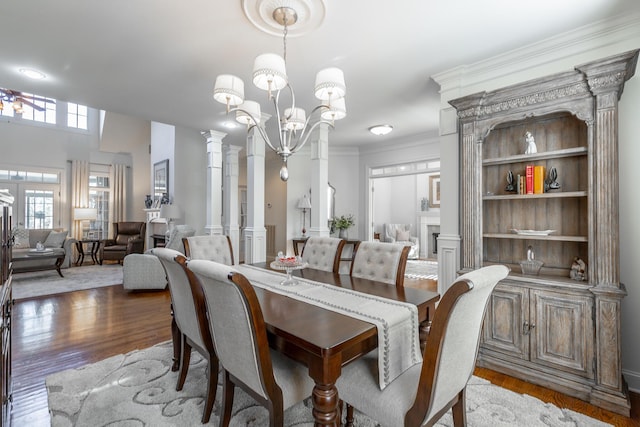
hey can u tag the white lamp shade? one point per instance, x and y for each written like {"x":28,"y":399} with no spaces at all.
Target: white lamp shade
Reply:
{"x":304,"y":203}
{"x":229,"y":89}
{"x":297,"y":119}
{"x":269,"y":72}
{"x":336,"y":111}
{"x":85,"y":214}
{"x":251,"y":107}
{"x":330,"y":84}
{"x":170,"y":212}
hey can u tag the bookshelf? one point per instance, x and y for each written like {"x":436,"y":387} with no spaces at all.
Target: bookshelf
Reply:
{"x":549,"y":329}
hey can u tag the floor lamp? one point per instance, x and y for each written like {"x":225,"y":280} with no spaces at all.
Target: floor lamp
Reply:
{"x":304,"y":204}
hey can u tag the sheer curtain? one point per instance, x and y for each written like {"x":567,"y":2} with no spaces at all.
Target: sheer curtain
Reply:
{"x":118,"y":195}
{"x":79,"y":192}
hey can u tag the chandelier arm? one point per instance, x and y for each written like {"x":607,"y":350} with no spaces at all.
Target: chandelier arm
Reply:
{"x":260,"y":129}
{"x":302,"y":141}
{"x":276,"y":102}
{"x":306,"y":124}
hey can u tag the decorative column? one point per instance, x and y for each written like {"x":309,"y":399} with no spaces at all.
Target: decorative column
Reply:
{"x":318,"y":221}
{"x":231,"y":202}
{"x":255,"y":235}
{"x":214,"y":181}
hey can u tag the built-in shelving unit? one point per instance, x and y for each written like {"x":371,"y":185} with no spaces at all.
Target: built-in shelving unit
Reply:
{"x":6,"y":308}
{"x":548,"y":328}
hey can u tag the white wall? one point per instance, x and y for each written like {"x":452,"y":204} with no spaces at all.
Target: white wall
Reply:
{"x":189,"y":182}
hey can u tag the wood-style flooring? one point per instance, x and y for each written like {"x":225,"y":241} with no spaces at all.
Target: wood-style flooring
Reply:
{"x":64,"y":331}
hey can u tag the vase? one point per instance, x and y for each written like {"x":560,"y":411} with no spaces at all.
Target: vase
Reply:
{"x":343,"y":233}
{"x":148,"y":202}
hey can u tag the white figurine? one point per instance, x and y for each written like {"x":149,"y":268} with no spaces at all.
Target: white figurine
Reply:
{"x":578,"y":269}
{"x":531,"y":144}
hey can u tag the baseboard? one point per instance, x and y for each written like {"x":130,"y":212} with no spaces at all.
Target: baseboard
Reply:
{"x":633,"y":380}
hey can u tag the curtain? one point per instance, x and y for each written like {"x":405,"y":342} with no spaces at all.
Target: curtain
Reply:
{"x":79,"y":192}
{"x":118,"y":195}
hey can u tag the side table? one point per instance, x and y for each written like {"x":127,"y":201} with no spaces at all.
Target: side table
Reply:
{"x":95,"y":247}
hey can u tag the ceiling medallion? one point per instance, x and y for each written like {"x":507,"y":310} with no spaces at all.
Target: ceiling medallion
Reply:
{"x":310,"y":15}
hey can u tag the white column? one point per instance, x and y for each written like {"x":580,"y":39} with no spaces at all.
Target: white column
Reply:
{"x":214,"y":181}
{"x":231,"y":171}
{"x":319,"y":140}
{"x":255,"y":235}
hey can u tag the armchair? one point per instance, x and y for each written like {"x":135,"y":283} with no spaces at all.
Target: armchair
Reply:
{"x":401,"y":233}
{"x":128,"y":239}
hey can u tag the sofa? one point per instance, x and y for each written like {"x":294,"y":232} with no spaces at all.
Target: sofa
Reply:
{"x":401,"y":233}
{"x":25,"y":240}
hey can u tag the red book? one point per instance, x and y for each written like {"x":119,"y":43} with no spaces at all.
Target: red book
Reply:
{"x":529,"y":179}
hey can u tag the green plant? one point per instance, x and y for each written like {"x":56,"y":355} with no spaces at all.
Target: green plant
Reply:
{"x":343,"y":222}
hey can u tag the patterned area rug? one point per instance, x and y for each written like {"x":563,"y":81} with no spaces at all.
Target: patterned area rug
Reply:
{"x":138,"y":389}
{"x":48,"y":282}
{"x":421,"y":269}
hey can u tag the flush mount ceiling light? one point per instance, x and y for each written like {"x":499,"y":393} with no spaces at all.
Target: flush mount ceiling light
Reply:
{"x":380,"y":129}
{"x":269,"y":74}
{"x":32,"y":74}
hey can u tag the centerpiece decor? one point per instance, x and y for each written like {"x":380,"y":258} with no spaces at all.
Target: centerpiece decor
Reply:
{"x":343,"y":223}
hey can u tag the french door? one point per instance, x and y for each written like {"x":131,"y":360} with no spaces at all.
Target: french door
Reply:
{"x":36,"y":205}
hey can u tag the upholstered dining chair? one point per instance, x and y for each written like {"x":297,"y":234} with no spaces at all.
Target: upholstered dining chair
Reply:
{"x":323,"y":253}
{"x":190,"y":315}
{"x":425,"y":392}
{"x":128,"y":238}
{"x":384,"y":262}
{"x":215,"y":247}
{"x":240,"y":338}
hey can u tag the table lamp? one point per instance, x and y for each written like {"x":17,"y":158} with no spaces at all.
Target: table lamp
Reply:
{"x":84,"y":216}
{"x":169,"y":212}
{"x":304,"y":204}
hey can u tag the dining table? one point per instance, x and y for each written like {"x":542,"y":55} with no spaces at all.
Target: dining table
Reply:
{"x":324,"y":340}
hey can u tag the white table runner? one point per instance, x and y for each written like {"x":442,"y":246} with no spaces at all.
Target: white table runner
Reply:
{"x":397,"y":322}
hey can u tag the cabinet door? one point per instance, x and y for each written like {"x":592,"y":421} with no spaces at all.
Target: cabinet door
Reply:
{"x":507,"y":313}
{"x":563,"y":334}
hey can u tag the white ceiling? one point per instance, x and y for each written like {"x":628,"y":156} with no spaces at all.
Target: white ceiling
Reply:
{"x":158,"y":59}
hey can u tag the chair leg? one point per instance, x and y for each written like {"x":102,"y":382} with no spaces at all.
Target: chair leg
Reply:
{"x":349,"y":418}
{"x":176,"y":337}
{"x":185,"y":359}
{"x":212,"y":386}
{"x":227,"y":400}
{"x":459,"y":410}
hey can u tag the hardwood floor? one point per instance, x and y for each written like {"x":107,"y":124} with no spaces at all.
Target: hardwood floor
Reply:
{"x":64,"y":331}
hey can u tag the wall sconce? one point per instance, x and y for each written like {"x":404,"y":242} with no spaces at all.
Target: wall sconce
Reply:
{"x":304,"y":204}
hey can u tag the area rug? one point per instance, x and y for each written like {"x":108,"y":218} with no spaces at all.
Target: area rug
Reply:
{"x":421,"y":269}
{"x":48,"y":282}
{"x":138,"y":389}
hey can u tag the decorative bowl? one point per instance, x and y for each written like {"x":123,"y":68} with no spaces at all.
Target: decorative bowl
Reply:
{"x":531,"y":267}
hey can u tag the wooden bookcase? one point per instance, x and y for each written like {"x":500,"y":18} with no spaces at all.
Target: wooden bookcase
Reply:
{"x":548,"y":328}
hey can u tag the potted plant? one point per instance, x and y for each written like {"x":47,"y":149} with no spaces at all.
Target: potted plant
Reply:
{"x":342,"y":223}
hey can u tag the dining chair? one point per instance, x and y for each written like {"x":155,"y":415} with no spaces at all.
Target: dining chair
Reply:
{"x":215,"y":247}
{"x":240,"y":338}
{"x":380,"y":261}
{"x":323,"y":253}
{"x":190,"y":315}
{"x":425,"y":392}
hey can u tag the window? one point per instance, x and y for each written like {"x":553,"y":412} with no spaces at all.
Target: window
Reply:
{"x":38,"y":212}
{"x":99,"y":199}
{"x":77,"y":116}
{"x":44,"y":110}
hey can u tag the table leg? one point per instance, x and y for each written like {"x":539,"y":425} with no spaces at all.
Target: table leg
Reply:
{"x":94,"y":252}
{"x":59,"y":262}
{"x":80,"y":249}
{"x":326,"y":411}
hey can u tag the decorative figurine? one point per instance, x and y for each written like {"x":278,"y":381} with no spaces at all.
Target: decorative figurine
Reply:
{"x":578,"y":270}
{"x":148,"y":202}
{"x":551,"y":183}
{"x":511,"y":188}
{"x":531,"y":143}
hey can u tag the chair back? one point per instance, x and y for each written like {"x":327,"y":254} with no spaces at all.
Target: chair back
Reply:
{"x":391,"y":232}
{"x":452,"y":347}
{"x":186,"y":308}
{"x":123,"y":232}
{"x":323,"y":253}
{"x":383,"y":262}
{"x":215,"y":248}
{"x":178,"y":233}
{"x":237,"y":326}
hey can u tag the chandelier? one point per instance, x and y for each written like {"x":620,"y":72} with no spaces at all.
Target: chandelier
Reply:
{"x":269,"y":73}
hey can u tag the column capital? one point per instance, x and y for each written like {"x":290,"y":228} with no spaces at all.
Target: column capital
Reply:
{"x":213,"y":135}
{"x":230,"y":150}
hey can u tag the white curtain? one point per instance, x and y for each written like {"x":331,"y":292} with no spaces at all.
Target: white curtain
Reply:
{"x":79,"y":192}
{"x":118,"y":195}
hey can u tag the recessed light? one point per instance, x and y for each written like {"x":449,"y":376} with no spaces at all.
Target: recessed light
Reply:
{"x":380,"y":129}
{"x":229,"y":124}
{"x":32,"y":74}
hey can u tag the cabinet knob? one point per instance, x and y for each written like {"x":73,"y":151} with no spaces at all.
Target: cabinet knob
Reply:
{"x":525,"y":328}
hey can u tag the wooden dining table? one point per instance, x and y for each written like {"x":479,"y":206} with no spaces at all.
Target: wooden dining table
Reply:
{"x":324,"y":340}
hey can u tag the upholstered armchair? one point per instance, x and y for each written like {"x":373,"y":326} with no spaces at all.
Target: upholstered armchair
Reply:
{"x":401,"y":233}
{"x":128,"y":239}
{"x":144,"y":271}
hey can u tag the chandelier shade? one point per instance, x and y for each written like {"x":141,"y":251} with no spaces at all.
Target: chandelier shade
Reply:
{"x":330,"y":84}
{"x":248,"y":113}
{"x":269,"y":72}
{"x":229,"y":89}
{"x":336,"y":111}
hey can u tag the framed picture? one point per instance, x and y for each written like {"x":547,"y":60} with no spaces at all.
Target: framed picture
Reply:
{"x":160,"y":180}
{"x":434,"y":191}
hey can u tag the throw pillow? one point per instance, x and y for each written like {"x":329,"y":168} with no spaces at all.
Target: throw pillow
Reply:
{"x":55,"y":239}
{"x":21,"y":238}
{"x":403,"y":235}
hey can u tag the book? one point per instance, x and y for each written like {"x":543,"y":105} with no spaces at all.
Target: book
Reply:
{"x":529,"y":179}
{"x":538,"y":180}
